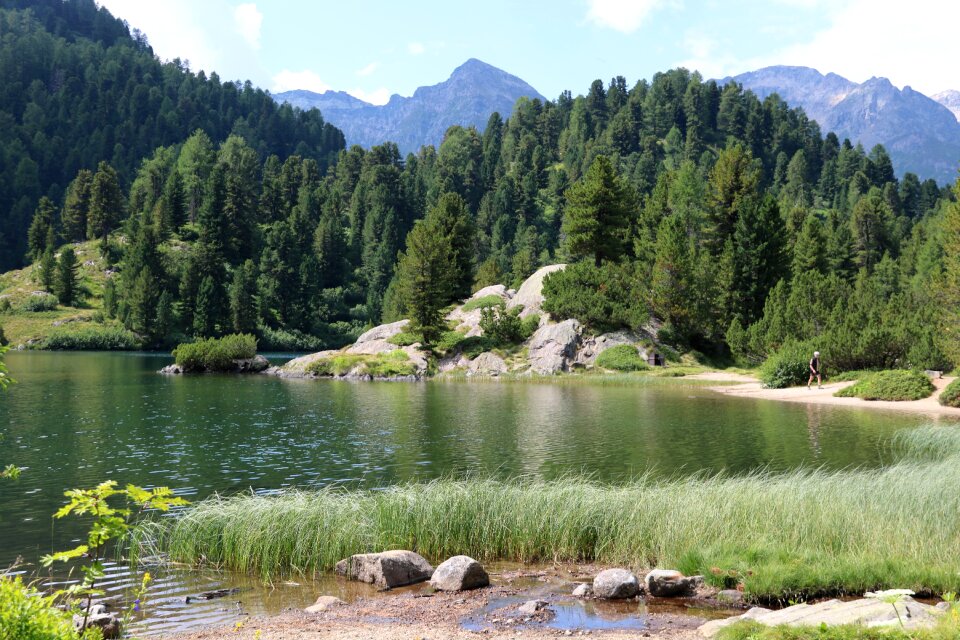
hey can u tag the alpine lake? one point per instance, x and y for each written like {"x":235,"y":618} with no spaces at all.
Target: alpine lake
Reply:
{"x":77,"y":419}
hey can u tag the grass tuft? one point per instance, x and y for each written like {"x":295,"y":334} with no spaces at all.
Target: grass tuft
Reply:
{"x":482,"y":303}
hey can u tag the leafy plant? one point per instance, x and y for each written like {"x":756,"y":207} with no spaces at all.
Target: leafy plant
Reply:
{"x":215,"y":354}
{"x":38,"y":303}
{"x":27,"y":614}
{"x":622,"y":357}
{"x":790,"y":366}
{"x":950,"y":396}
{"x":897,"y":384}
{"x":500,"y":326}
{"x":109,"y":523}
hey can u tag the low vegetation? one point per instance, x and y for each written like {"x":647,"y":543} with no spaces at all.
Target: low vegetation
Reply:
{"x":482,"y":303}
{"x":623,"y":357}
{"x":948,"y":628}
{"x":788,"y":367}
{"x":27,"y":614}
{"x":385,"y":365}
{"x":215,"y":354}
{"x":896,"y":384}
{"x":780,"y":536}
{"x":950,"y":396}
{"x":91,"y":337}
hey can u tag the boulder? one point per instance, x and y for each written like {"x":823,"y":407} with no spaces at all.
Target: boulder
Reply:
{"x":583,"y":590}
{"x":172,"y":369}
{"x":553,"y":347}
{"x":371,"y":347}
{"x":492,"y":290}
{"x":730,"y":596}
{"x":593,"y":346}
{"x":667,"y":583}
{"x":530,"y":607}
{"x":486,"y":364}
{"x":323,"y":603}
{"x":453,"y":361}
{"x":615,"y":584}
{"x":530,"y":293}
{"x":256,"y":364}
{"x":383,"y":331}
{"x":99,"y":618}
{"x":459,"y":573}
{"x":387,"y":570}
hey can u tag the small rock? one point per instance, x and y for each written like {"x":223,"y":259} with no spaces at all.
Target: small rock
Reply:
{"x":459,"y":573}
{"x":668,"y":583}
{"x":323,"y":603}
{"x":99,"y":618}
{"x":387,"y":569}
{"x":530,"y":607}
{"x":615,"y":584}
{"x":730,"y":596}
{"x":583,"y":590}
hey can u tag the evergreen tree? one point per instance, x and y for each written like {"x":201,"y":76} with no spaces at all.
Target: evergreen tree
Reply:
{"x":450,"y":218}
{"x":41,"y":228}
{"x":758,"y":255}
{"x":77,"y":207}
{"x":870,"y":221}
{"x":424,"y":278}
{"x":48,"y":270}
{"x":211,"y":308}
{"x":600,"y":211}
{"x":106,"y":202}
{"x":243,"y":302}
{"x":672,"y":287}
{"x":810,"y":250}
{"x":948,"y":285}
{"x":66,"y":278}
{"x":330,"y":247}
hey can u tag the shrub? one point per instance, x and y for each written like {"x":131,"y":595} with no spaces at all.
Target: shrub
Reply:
{"x":215,"y":354}
{"x":288,"y":340}
{"x":482,"y":303}
{"x":3,"y":338}
{"x":500,"y":326}
{"x":407,"y":338}
{"x":602,"y":298}
{"x":790,"y":366}
{"x":5,"y":305}
{"x":950,"y":397}
{"x":26,"y":614}
{"x":623,"y":357}
{"x":896,"y":384}
{"x":87,"y":337}
{"x":37,"y":303}
{"x":529,"y":325}
{"x":384,"y":365}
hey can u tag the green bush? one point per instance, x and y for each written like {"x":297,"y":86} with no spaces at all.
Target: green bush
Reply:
{"x":385,"y":365}
{"x":500,"y":326}
{"x":895,"y":384}
{"x":623,"y":357}
{"x":405,"y":339}
{"x":215,"y":354}
{"x":26,"y":614}
{"x":3,"y":338}
{"x":788,"y":367}
{"x":91,"y":337}
{"x":5,"y":305}
{"x":529,"y":325}
{"x":482,"y":303}
{"x":950,"y":396}
{"x":288,"y":340}
{"x":602,"y":298}
{"x":34,"y":304}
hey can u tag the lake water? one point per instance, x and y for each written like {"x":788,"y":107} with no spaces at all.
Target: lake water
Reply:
{"x":76,"y":419}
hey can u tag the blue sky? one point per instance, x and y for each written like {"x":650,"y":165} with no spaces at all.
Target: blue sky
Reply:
{"x":374,"y":48}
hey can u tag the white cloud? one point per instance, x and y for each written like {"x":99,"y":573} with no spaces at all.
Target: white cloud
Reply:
{"x":248,"y":21}
{"x":624,"y":16}
{"x":288,"y":80}
{"x":377,"y":96}
{"x":367,"y":70}
{"x":416,"y":48}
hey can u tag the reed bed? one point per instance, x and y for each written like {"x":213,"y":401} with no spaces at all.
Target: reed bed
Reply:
{"x":780,"y":535}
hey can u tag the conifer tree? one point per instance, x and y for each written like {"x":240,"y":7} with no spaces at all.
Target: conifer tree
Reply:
{"x":66,"y":278}
{"x":450,"y":218}
{"x":600,"y":212}
{"x":869,"y":222}
{"x":810,"y":250}
{"x":106,"y":202}
{"x":948,"y":286}
{"x":759,"y":260}
{"x":76,"y":207}
{"x":424,"y":274}
{"x":41,"y":228}
{"x":243,"y":303}
{"x":211,"y":308}
{"x":48,"y":270}
{"x":672,"y":286}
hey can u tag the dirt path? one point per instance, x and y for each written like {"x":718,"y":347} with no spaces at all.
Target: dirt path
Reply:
{"x":927,"y":406}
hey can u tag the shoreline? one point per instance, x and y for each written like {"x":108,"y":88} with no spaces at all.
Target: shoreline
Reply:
{"x":927,"y":406}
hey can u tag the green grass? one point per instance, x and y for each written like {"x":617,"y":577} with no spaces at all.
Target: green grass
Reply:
{"x":480,"y":303}
{"x":895,"y":384}
{"x":623,"y":357}
{"x":88,"y":336}
{"x":950,"y":396}
{"x":948,"y":628}
{"x":405,"y":338}
{"x":779,"y":535}
{"x":385,"y":365}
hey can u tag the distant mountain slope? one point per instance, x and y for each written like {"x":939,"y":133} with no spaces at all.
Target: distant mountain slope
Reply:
{"x":950,"y":99}
{"x":921,"y":135}
{"x":474,"y":91}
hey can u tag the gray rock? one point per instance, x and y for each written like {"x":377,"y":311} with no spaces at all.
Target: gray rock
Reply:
{"x":591,"y":347}
{"x":486,"y":364}
{"x":387,"y":569}
{"x":492,"y":290}
{"x":530,"y":294}
{"x":99,"y":618}
{"x":583,"y":590}
{"x":459,"y":573}
{"x":383,"y":331}
{"x":730,"y":596}
{"x":553,"y":347}
{"x":530,"y":607}
{"x":172,"y":369}
{"x":615,"y":584}
{"x":323,"y":603}
{"x":256,"y":364}
{"x":667,"y":583}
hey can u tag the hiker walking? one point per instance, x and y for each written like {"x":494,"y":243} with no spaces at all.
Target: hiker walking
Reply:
{"x":815,"y":369}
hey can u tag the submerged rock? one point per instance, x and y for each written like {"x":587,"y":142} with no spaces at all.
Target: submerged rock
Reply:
{"x":583,"y":590}
{"x":668,"y":583}
{"x":553,"y":347}
{"x":615,"y":584}
{"x":387,"y":570}
{"x":323,"y":603}
{"x":459,"y":573}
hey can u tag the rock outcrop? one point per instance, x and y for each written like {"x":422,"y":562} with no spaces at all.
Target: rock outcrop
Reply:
{"x":459,"y":573}
{"x":383,"y":331}
{"x":486,"y":364}
{"x":615,"y":584}
{"x":667,"y":583}
{"x":553,"y":347}
{"x":593,"y":346}
{"x":530,"y":293}
{"x":386,"y":570}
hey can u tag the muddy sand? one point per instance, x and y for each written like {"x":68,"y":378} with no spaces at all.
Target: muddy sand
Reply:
{"x":824,"y":396}
{"x":420,"y":613}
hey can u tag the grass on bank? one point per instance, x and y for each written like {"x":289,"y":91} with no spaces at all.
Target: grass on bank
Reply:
{"x":383,"y":365}
{"x":950,"y":396}
{"x":622,"y":357}
{"x":947,"y":628}
{"x":895,"y":384}
{"x":781,"y":536}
